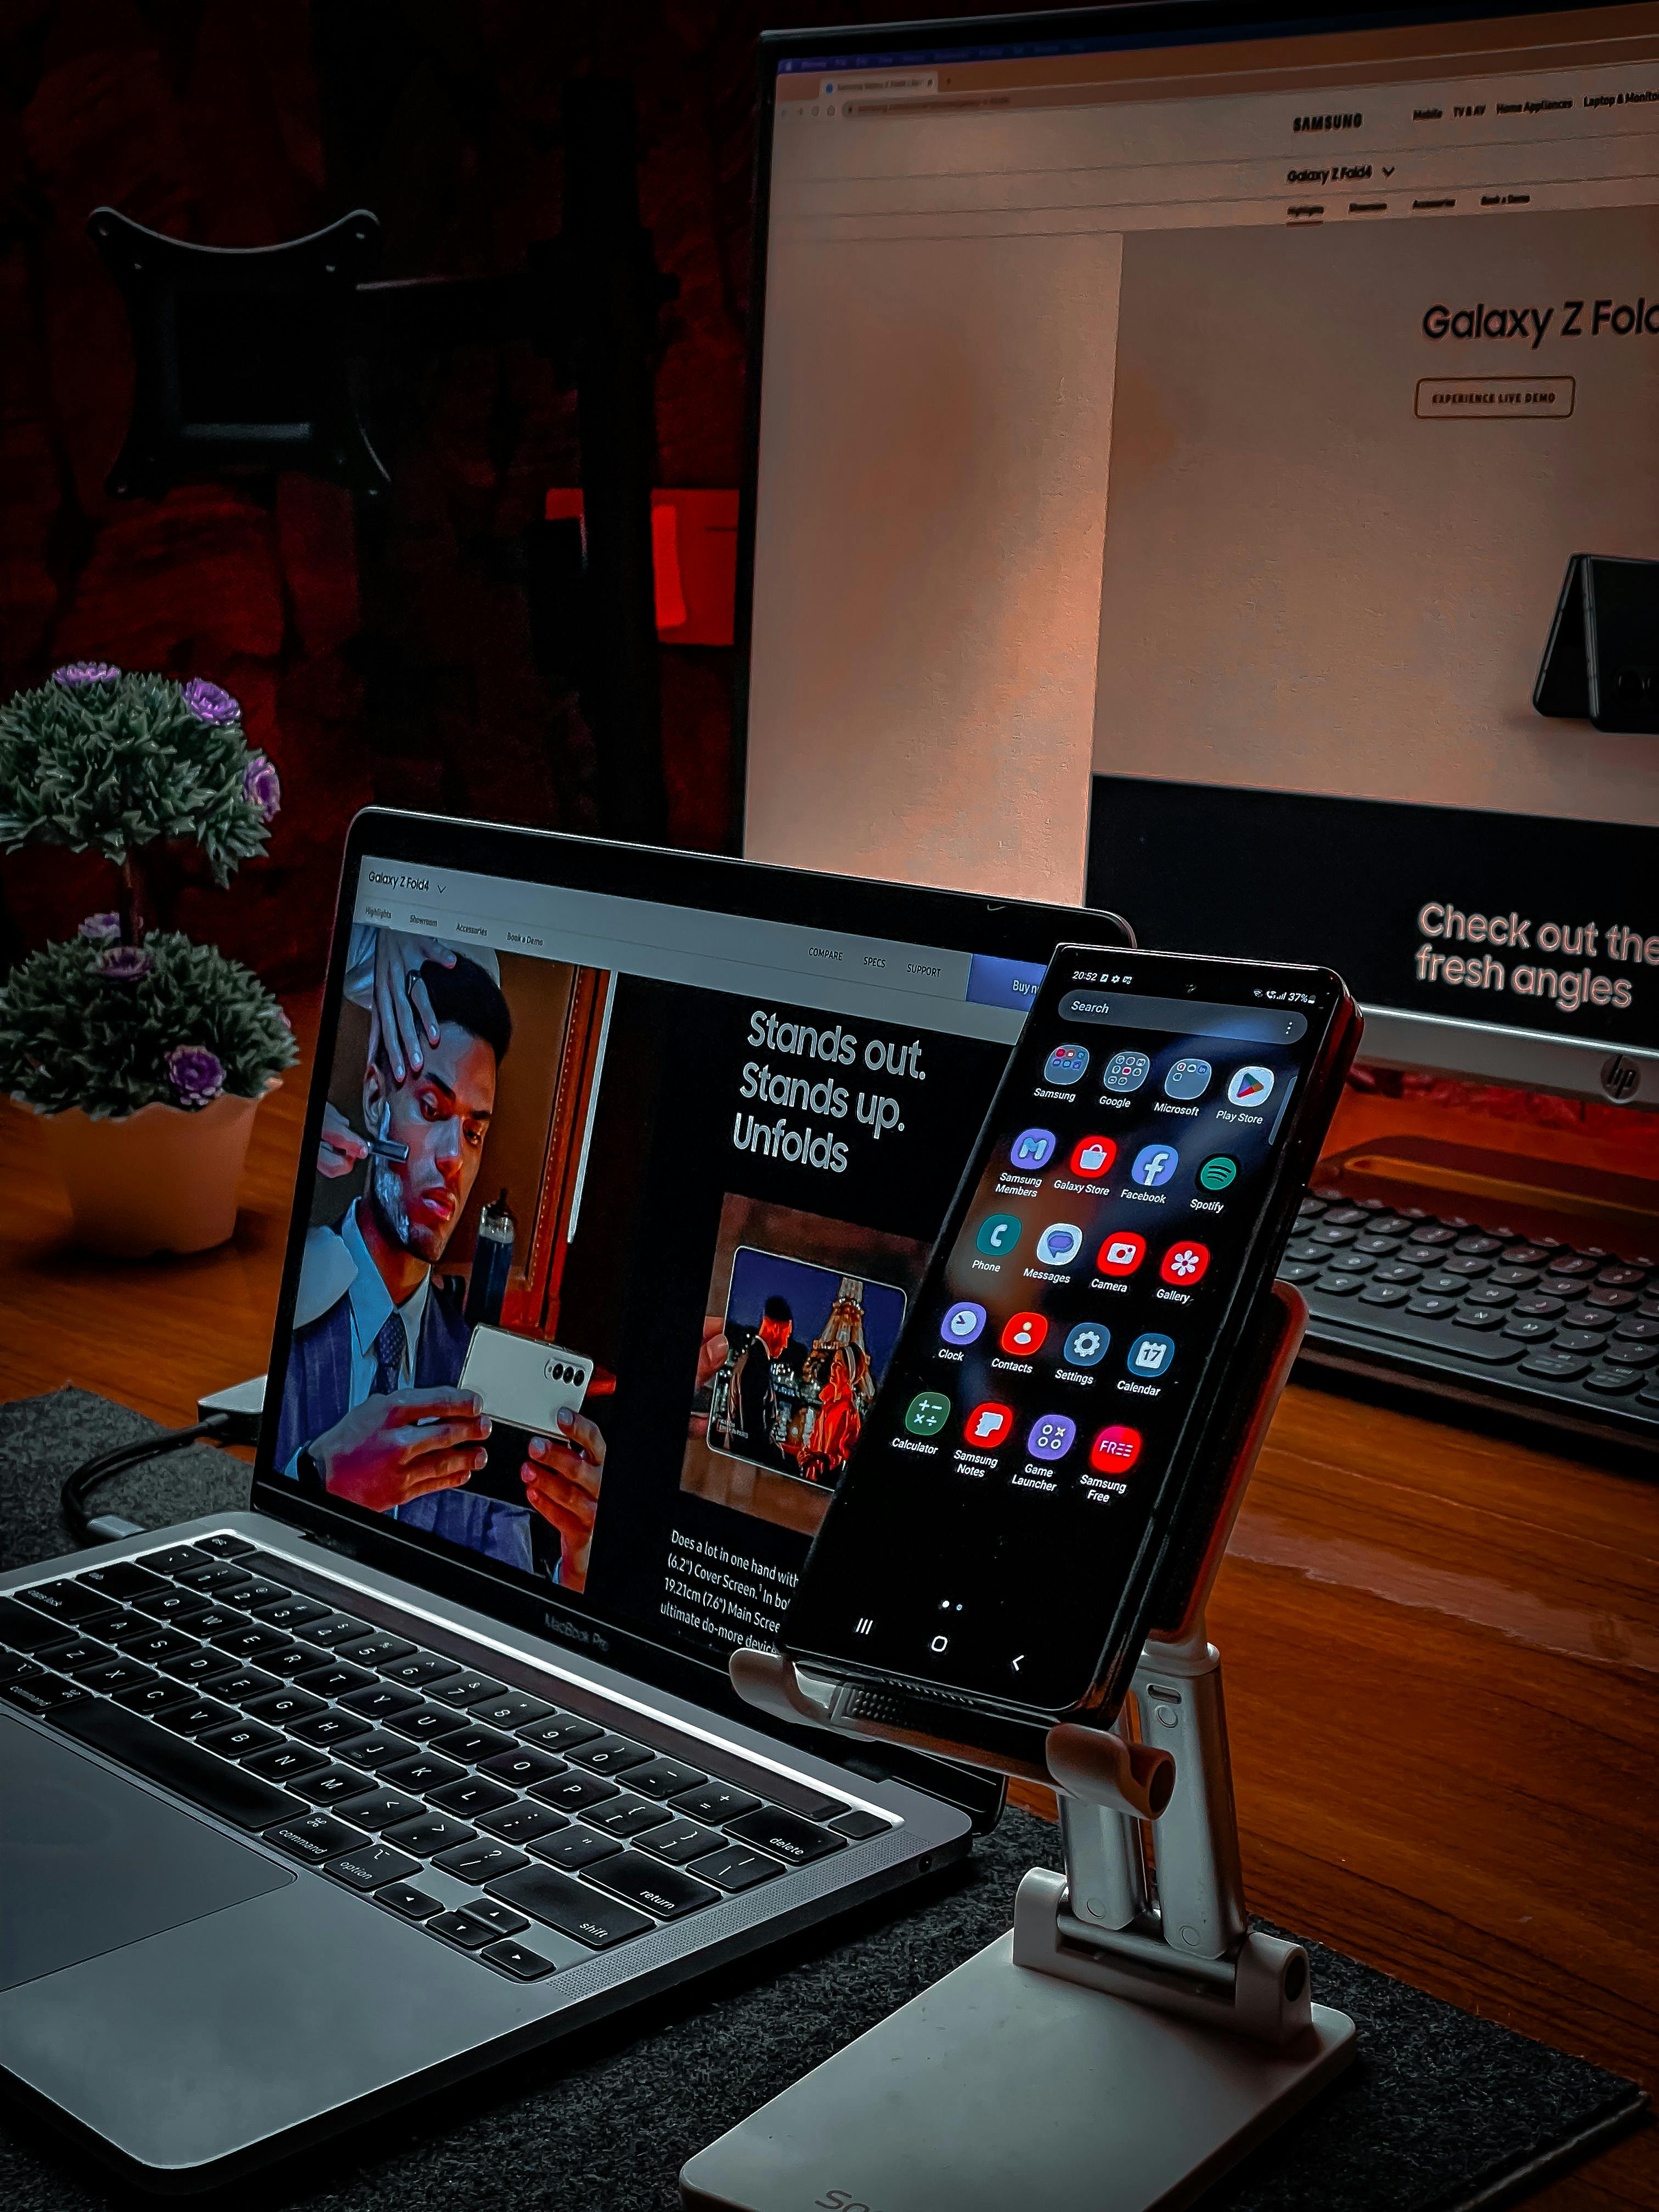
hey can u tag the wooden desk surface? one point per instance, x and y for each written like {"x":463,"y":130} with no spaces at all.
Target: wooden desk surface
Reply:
{"x":1442,"y":1651}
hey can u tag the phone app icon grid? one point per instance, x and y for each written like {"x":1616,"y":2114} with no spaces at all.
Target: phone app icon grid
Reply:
{"x":1066,"y":1063}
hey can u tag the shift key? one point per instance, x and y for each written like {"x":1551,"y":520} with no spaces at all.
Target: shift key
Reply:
{"x":571,"y":1907}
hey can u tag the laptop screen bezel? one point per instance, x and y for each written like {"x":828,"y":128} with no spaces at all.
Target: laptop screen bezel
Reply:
{"x":960,"y":922}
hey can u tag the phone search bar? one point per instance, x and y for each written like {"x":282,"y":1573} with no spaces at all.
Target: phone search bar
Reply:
{"x":1118,"y":1010}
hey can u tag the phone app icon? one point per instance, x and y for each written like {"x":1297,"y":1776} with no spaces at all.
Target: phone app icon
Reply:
{"x":964,"y":1323}
{"x":1188,"y":1078}
{"x":1024,"y":1334}
{"x":1127,"y":1071}
{"x":1032,"y":1149}
{"x":1060,"y":1244}
{"x":1092,"y":1158}
{"x":1066,"y":1063}
{"x":1155,"y":1165}
{"x":1251,"y":1086}
{"x":926,"y":1414}
{"x":988,"y":1427}
{"x":997,"y":1235}
{"x":1087,"y":1344}
{"x":1115,"y":1450}
{"x":1151,"y":1355}
{"x":1218,"y":1173}
{"x":1185,"y":1263}
{"x":1052,"y":1436}
{"x":1122,"y":1252}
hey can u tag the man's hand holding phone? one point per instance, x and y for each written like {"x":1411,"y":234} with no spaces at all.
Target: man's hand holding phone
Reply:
{"x":390,"y":1450}
{"x":562,"y":1479}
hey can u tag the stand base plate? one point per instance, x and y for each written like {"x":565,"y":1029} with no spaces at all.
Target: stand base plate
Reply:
{"x":1000,"y":2086}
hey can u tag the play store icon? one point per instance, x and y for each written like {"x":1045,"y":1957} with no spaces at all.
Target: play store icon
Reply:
{"x":1251,"y":1086}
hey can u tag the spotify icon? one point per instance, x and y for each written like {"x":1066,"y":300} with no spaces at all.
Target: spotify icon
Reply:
{"x":1217,"y":1174}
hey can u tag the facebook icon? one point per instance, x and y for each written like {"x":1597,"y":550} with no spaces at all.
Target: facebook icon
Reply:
{"x":1155,"y":1164}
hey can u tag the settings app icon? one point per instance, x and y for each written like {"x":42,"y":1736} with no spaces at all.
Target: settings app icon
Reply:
{"x":1087,"y":1344}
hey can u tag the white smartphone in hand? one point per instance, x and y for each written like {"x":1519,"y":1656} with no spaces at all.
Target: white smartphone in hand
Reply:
{"x":525,"y":1384}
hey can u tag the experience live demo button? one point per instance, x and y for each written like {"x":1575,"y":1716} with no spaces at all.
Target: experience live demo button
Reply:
{"x":1493,"y":399}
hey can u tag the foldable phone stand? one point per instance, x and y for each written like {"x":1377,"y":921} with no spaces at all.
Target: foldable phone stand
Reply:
{"x":1131,"y":2037}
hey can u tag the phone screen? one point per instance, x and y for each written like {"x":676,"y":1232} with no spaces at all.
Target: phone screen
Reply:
{"x":1128,"y":1199}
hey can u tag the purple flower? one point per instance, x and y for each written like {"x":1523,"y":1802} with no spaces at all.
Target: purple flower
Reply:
{"x":262,"y":787}
{"x":124,"y":964}
{"x":100,"y":928}
{"x":282,"y":1015}
{"x":76,"y":673}
{"x":209,"y":704}
{"x":196,"y":1074}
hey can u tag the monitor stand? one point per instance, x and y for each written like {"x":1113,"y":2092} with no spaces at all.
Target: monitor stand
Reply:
{"x":1128,"y":2040}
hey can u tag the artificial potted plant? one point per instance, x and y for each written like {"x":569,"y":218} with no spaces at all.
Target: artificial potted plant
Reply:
{"x":145,"y":1055}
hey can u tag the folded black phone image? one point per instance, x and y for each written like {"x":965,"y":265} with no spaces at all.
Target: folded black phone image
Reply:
{"x":1600,"y":662}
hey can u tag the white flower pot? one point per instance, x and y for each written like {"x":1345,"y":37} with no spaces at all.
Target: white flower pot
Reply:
{"x":161,"y":1180}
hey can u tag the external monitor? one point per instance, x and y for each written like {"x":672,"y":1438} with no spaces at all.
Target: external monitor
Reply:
{"x":1211,"y":459}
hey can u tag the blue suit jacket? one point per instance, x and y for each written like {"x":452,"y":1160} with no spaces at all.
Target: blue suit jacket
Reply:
{"x":317,"y":1393}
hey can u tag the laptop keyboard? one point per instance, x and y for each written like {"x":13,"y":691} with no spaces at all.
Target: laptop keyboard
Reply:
{"x":369,"y":1755}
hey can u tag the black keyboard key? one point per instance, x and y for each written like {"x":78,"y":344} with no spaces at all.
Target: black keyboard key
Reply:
{"x":113,"y":1674}
{"x":240,"y":1739}
{"x":1577,"y":1339}
{"x":735,"y":1867}
{"x":664,"y":1777}
{"x":425,"y":1724}
{"x":1380,"y":1248}
{"x":1478,"y":1317}
{"x":420,"y":1772}
{"x":1481,"y":1244}
{"x":680,"y":1842}
{"x":1339,"y":1285}
{"x":73,"y":1655}
{"x":1637,"y":1328}
{"x":290,"y":1613}
{"x":1525,"y":1255}
{"x":26,"y":1631}
{"x":1528,"y":1329}
{"x":253,"y":1591}
{"x":1324,"y":1235}
{"x":333,"y":1628}
{"x":662,"y":1890}
{"x":328,"y":1727}
{"x":1491,"y":1294}
{"x":561,"y":1732}
{"x":332,"y":1678}
{"x":378,"y":1650}
{"x":224,"y":1546}
{"x":471,"y":1796}
{"x":43,"y":1695}
{"x":371,"y":1866}
{"x":861,"y":1827}
{"x":1583,"y":1316}
{"x":1541,"y":1305}
{"x":472,"y":1744}
{"x":571,"y":1907}
{"x":1297,"y":1271}
{"x":521,"y":1822}
{"x":410,"y":1904}
{"x":462,"y":1929}
{"x":175,"y":1557}
{"x":607,"y":1755}
{"x":572,"y":1848}
{"x":1456,"y":1263}
{"x":501,"y":1917}
{"x":1384,"y":1294}
{"x":245,"y":1800}
{"x":1613,"y":1381}
{"x":516,"y":1710}
{"x":181,"y":1607}
{"x":1572,"y":1263}
{"x":522,"y":1766}
{"x":314,"y":1837}
{"x":1432,"y":1233}
{"x":243,"y":1686}
{"x":153,"y":1696}
{"x":1553,"y":1366}
{"x":1430,"y":1306}
{"x":786,"y":1836}
{"x":573,"y":1791}
{"x":286,"y":1762}
{"x":15,"y":1667}
{"x":211,"y":1582}
{"x":1514,"y":1279}
{"x":466,"y":1688}
{"x":626,"y":1815}
{"x":481,"y":1861}
{"x":431,"y":1833}
{"x":200,"y":1664}
{"x":332,"y":1785}
{"x":1610,"y":1301}
{"x":513,"y":1959}
{"x":380,"y":1702}
{"x":715,"y":1803}
{"x":386,"y":1809}
{"x":66,"y":1601}
{"x":1621,"y":1355}
{"x":376,"y":1751}
{"x":419,"y":1669}
{"x":257,"y":1642}
{"x":152,"y":1645}
{"x":1617,"y":1276}
{"x":197,"y":1716}
{"x":120,"y":1582}
{"x":283,"y":1707}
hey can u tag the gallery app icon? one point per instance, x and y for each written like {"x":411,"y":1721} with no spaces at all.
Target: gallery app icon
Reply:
{"x":1086,"y":1345}
{"x":1127,"y":1071}
{"x":1184,"y":1264}
{"x":1092,"y":1158}
{"x":988,"y":1427}
{"x":926,"y":1414}
{"x":1060,"y":1244}
{"x":1154,"y":1165}
{"x":1052,"y":1436}
{"x":1150,"y":1356}
{"x":1032,"y":1149}
{"x":1218,"y":1173}
{"x":1188,"y":1078}
{"x":1122,"y":1252}
{"x":998,"y":1234}
{"x":1066,"y":1063}
{"x":964,"y":1323}
{"x":1024,"y":1334}
{"x":1251,"y":1086}
{"x":1115,"y":1450}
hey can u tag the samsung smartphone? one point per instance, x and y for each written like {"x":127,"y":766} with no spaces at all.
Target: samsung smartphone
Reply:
{"x":1001,"y":1528}
{"x":525,"y":1385}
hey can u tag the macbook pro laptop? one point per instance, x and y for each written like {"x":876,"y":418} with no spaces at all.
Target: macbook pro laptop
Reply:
{"x":431,"y":1756}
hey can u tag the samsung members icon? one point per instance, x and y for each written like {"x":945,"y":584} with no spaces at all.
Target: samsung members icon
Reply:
{"x":1092,"y":1158}
{"x":1127,"y":1071}
{"x":1150,"y":1356}
{"x":1066,"y":1063}
{"x":1060,"y":1244}
{"x":926,"y":1414}
{"x":1032,"y":1149}
{"x":997,"y":1234}
{"x":1155,"y":1165}
{"x":1188,"y":1078}
{"x":1218,"y":1174}
{"x":1251,"y":1086}
{"x":1115,"y":1450}
{"x":1024,"y":1334}
{"x":988,"y":1427}
{"x":1052,"y":1436}
{"x":1087,"y":1344}
{"x":1122,"y":1252}
{"x":964,"y":1323}
{"x":1185,"y":1263}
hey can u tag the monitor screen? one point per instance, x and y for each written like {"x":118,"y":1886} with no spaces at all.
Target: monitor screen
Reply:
{"x":655,"y":1182}
{"x":1248,"y":436}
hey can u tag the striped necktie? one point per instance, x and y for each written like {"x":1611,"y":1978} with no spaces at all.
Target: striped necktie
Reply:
{"x":390,"y":1346}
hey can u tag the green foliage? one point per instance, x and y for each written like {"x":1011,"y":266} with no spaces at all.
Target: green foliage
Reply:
{"x":113,"y":765}
{"x":72,"y":1034}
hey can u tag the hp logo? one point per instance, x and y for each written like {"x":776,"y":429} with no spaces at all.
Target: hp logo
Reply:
{"x":1621,"y":1078}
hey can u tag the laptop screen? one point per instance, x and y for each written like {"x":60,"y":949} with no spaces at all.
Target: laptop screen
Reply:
{"x":655,"y":1182}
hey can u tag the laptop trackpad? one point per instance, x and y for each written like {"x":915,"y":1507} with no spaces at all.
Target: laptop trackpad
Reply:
{"x":88,"y":1861}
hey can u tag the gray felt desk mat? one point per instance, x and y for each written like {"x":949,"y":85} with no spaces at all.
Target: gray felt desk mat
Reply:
{"x":1441,"y":2110}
